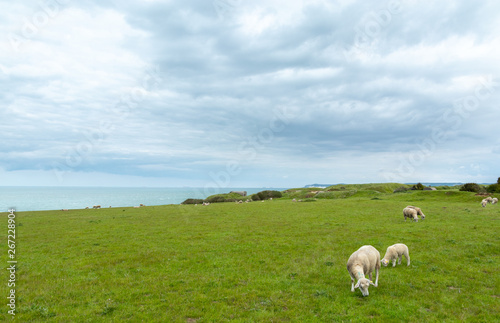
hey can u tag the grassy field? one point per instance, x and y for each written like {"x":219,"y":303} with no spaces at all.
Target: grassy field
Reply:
{"x":272,"y":261}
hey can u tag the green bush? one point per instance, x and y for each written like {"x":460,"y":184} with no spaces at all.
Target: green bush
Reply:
{"x":493,"y":188}
{"x":266,"y":195}
{"x":255,"y":197}
{"x":472,"y":187}
{"x":418,"y":187}
{"x":193,"y":201}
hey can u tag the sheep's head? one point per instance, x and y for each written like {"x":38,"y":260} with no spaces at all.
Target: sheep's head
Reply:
{"x":423,"y":216}
{"x":363,"y":284}
{"x":384,"y":262}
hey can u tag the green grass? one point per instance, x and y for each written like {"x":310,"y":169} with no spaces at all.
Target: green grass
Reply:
{"x":277,"y":261}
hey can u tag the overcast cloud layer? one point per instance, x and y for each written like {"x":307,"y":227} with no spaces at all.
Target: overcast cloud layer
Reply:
{"x":232,"y":93}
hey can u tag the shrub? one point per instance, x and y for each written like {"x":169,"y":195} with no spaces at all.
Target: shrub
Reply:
{"x":255,"y":197}
{"x":472,"y":187}
{"x":266,"y":195}
{"x":193,"y":201}
{"x":418,"y":187}
{"x":493,"y":188}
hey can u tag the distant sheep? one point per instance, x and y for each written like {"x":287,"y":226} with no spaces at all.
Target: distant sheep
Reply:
{"x":494,"y":200}
{"x":489,"y":199}
{"x":396,"y":252}
{"x":363,"y":261}
{"x":419,"y":211}
{"x":484,"y":202}
{"x":96,"y":207}
{"x":410,"y":213}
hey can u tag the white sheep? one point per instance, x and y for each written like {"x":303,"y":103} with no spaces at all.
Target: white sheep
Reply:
{"x":410,"y":213}
{"x":489,"y":199}
{"x":484,"y":202}
{"x":396,"y":252}
{"x":494,"y":200}
{"x":419,"y":211}
{"x":363,"y":261}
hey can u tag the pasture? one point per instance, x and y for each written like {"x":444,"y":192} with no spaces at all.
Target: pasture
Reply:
{"x":272,"y":261}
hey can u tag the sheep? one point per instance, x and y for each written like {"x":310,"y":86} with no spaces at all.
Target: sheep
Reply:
{"x":396,"y":252}
{"x":494,"y":200}
{"x":410,"y":213}
{"x":419,"y":211}
{"x":489,"y":199}
{"x":363,"y":261}
{"x":484,"y":202}
{"x":96,"y":207}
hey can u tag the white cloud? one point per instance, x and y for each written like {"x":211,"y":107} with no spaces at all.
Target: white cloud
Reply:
{"x":357,"y":107}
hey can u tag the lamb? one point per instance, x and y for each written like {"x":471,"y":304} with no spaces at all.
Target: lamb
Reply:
{"x":419,"y":211}
{"x":364,"y":260}
{"x":494,"y":200}
{"x":484,"y":202}
{"x":396,"y":252}
{"x":489,"y":199}
{"x":410,"y":213}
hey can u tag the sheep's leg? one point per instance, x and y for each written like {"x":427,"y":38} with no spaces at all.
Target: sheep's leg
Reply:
{"x":352,"y":284}
{"x":376,"y":277}
{"x":407,"y":255}
{"x":399,"y":259}
{"x":393,"y":262}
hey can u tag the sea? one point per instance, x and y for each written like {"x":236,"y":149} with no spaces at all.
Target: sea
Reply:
{"x":57,"y":198}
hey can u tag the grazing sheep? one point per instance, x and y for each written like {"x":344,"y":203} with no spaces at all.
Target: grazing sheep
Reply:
{"x":96,"y":207}
{"x":363,"y":261}
{"x":396,"y":252}
{"x":494,"y":200}
{"x":419,"y":211}
{"x":489,"y":199}
{"x":410,"y":213}
{"x":484,"y":203}
{"x":142,"y":204}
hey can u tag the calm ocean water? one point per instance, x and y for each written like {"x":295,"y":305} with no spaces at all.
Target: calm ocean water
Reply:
{"x":56,"y":198}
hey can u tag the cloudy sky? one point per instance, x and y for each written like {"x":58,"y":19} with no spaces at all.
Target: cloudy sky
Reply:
{"x":233,"y":93}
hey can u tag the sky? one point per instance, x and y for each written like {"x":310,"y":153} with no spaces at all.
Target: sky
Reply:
{"x":233,"y":93}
